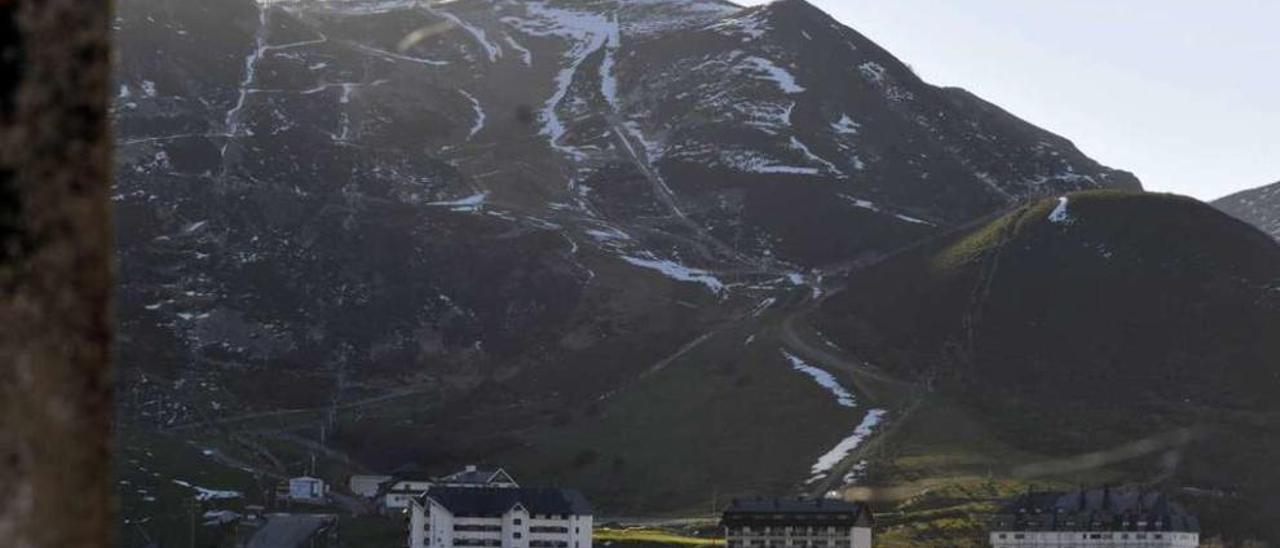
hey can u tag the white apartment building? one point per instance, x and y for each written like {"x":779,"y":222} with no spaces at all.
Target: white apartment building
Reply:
{"x":399,"y":492}
{"x":1098,"y":518}
{"x":797,"y":523}
{"x":511,"y":517}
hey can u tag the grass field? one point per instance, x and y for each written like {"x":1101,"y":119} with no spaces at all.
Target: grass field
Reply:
{"x":650,"y":536}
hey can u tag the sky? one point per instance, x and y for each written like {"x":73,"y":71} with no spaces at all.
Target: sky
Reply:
{"x":1184,"y":93}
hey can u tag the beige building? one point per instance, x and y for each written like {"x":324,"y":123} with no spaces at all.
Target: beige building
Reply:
{"x":797,"y":523}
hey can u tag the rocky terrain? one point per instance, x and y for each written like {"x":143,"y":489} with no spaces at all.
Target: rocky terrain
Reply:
{"x":1259,"y":207}
{"x":339,"y":188}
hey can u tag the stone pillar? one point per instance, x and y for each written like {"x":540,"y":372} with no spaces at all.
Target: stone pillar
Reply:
{"x":55,"y":283}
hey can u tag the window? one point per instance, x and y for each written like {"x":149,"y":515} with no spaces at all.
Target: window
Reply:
{"x":515,"y":535}
{"x":517,"y":521}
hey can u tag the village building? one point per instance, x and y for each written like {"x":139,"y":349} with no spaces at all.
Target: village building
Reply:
{"x":366,"y":486}
{"x":797,"y":523}
{"x":304,"y":489}
{"x":399,"y":492}
{"x":506,"y":517}
{"x":1097,"y":518}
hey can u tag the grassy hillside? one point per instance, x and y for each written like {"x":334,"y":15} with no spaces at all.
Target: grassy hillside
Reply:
{"x":1111,"y":320}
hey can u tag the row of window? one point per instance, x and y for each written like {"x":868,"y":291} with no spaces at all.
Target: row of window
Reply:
{"x":793,"y":543}
{"x":1099,"y":536}
{"x":495,"y":542}
{"x":548,"y":529}
{"x":477,"y":542}
{"x":831,"y":529}
{"x":476,"y":527}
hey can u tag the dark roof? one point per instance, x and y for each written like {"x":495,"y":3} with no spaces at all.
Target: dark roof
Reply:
{"x":495,"y":501}
{"x":1110,"y":509}
{"x":810,"y":511}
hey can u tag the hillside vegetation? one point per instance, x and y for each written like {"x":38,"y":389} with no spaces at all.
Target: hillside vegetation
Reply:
{"x":1087,"y":322}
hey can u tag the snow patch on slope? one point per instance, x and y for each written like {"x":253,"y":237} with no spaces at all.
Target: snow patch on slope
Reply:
{"x":846,"y":126}
{"x":491,"y":49}
{"x":677,"y":271}
{"x":803,"y":149}
{"x":843,"y":397}
{"x":203,"y":494}
{"x":479,"y":112}
{"x":748,"y":26}
{"x":846,"y":446}
{"x":587,"y":33}
{"x":469,"y":204}
{"x":1060,"y":215}
{"x":765,"y":69}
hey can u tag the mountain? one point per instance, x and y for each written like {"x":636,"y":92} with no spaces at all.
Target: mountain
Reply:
{"x":558,"y":235}
{"x":1090,"y":321}
{"x":1259,"y":207}
{"x":321,"y":184}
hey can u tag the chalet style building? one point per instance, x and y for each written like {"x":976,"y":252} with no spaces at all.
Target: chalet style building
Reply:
{"x":1125,"y":517}
{"x":506,"y":517}
{"x":797,"y":523}
{"x":399,"y":492}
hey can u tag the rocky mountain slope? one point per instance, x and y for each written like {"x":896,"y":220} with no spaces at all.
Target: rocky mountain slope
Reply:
{"x":1094,"y":320}
{"x":1259,"y":207}
{"x":373,"y":184}
{"x":436,"y":232}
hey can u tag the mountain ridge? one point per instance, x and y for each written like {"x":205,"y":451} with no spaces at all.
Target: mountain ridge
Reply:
{"x":1258,"y":206}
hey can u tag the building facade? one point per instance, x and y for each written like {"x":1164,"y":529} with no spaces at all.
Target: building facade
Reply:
{"x":365,"y":485}
{"x":399,"y":492}
{"x":506,"y":517}
{"x":1097,"y":518}
{"x":306,"y":489}
{"x":797,"y":523}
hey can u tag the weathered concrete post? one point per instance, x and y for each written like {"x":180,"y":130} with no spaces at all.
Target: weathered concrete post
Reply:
{"x":55,"y":283}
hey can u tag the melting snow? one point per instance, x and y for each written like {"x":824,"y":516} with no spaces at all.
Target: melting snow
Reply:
{"x":1060,"y":214}
{"x":823,"y":378}
{"x":526,"y":56}
{"x":750,"y":26}
{"x":800,"y":146}
{"x":846,"y":126}
{"x":470,"y":203}
{"x":872,"y":71}
{"x":847,"y":445}
{"x":480,"y":117}
{"x":871,"y":206}
{"x":677,"y":271}
{"x":767,"y":70}
{"x":588,"y":32}
{"x":209,"y":494}
{"x":754,"y":162}
{"x":481,"y":38}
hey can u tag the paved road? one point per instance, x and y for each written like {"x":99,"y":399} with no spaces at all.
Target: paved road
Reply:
{"x":288,"y":530}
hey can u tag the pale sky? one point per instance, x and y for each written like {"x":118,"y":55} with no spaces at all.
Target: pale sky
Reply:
{"x":1184,"y":93}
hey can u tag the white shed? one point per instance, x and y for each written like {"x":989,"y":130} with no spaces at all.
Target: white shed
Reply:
{"x":307,"y":489}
